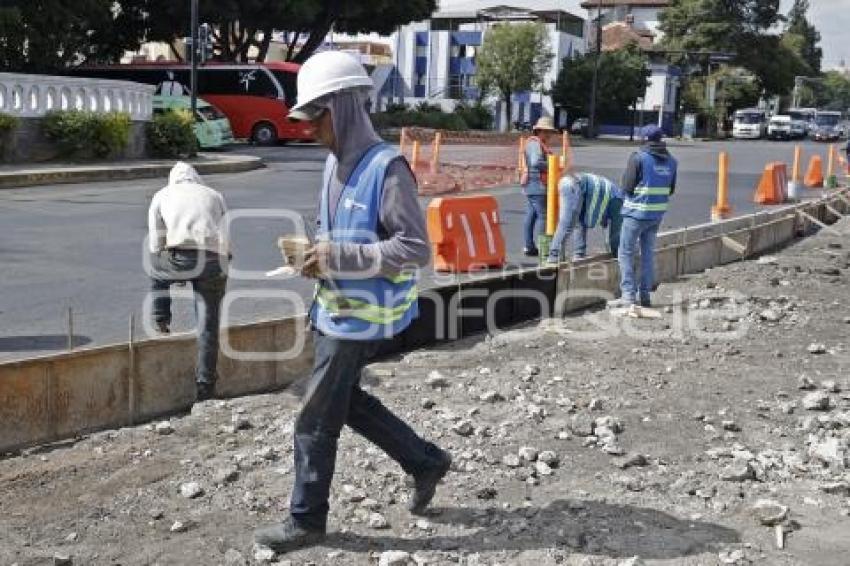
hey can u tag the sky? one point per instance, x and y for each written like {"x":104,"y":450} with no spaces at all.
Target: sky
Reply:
{"x":831,"y":17}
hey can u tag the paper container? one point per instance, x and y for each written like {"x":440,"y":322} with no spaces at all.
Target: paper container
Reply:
{"x":293,"y":249}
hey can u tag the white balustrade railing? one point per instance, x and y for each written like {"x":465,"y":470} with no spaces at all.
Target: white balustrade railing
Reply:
{"x":32,"y":96}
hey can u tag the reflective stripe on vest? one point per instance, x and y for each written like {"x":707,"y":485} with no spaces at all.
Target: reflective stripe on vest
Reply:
{"x":375,"y":307}
{"x":597,"y":194}
{"x":651,"y":197}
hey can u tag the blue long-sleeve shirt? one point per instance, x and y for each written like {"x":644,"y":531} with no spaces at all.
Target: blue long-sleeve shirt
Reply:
{"x":536,"y":161}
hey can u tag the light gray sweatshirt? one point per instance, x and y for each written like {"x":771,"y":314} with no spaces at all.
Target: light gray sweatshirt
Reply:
{"x":187,"y":214}
{"x":403,"y":238}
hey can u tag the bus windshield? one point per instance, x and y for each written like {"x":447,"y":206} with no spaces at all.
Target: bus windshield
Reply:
{"x":749,"y":118}
{"x":827,"y":119}
{"x":800,"y":115}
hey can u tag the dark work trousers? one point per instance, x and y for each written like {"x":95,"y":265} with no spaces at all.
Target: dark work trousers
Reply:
{"x":204,"y":271}
{"x":333,"y":399}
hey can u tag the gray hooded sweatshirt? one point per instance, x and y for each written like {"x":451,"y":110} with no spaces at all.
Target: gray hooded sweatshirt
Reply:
{"x":403,"y":238}
{"x":187,"y":214}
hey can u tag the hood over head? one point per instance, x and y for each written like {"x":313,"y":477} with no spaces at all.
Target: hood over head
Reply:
{"x":184,"y":173}
{"x":352,"y":129}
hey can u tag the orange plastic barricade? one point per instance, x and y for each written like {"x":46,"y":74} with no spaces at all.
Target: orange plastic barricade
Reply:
{"x":465,"y":233}
{"x":814,"y":174}
{"x":772,"y":186}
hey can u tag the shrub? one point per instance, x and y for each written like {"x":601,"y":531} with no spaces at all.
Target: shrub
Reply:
{"x":395,"y":108}
{"x":7,"y":124}
{"x":429,"y":117}
{"x":476,"y":116}
{"x":171,"y":135}
{"x":88,"y":134}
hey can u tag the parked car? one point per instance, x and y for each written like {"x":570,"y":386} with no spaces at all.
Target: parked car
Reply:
{"x":212,"y":128}
{"x":779,"y":127}
{"x":843,"y":129}
{"x":580,"y":126}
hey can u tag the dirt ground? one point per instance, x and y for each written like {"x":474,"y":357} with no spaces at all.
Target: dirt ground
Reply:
{"x":594,"y":440}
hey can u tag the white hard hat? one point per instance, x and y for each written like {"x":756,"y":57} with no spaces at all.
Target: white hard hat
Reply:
{"x":325,"y":73}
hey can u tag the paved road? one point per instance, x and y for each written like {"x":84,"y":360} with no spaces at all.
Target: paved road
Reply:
{"x":80,"y":246}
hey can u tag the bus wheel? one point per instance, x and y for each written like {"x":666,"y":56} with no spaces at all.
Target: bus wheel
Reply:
{"x":264,"y":133}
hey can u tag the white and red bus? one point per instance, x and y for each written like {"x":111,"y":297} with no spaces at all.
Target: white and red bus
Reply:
{"x":255,"y":97}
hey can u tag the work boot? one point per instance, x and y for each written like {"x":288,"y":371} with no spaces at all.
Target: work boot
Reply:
{"x":425,"y":485}
{"x":205,"y":391}
{"x":620,"y":303}
{"x":287,"y":536}
{"x":530,"y":252}
{"x":645,"y":302}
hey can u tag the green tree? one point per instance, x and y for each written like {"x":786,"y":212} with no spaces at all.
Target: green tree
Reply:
{"x":833,"y":93}
{"x":803,"y":37}
{"x":741,"y":27}
{"x":241,"y":25}
{"x":48,"y":35}
{"x":513,"y":58}
{"x":623,"y":79}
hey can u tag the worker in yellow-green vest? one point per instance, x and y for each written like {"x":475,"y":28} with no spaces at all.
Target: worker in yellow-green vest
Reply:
{"x":648,"y":182}
{"x":372,"y":239}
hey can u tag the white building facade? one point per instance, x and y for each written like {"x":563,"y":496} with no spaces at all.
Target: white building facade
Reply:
{"x":660,"y":103}
{"x":436,"y":59}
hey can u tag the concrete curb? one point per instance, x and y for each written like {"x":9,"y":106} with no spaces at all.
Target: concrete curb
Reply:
{"x":209,"y":164}
{"x":61,"y":396}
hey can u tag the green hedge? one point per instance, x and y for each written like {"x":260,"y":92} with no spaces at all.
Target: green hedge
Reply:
{"x":88,"y":135}
{"x":171,"y":135}
{"x":8,"y":123}
{"x":426,"y":115}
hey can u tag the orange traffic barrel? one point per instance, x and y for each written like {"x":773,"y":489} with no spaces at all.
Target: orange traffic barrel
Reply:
{"x":465,"y":233}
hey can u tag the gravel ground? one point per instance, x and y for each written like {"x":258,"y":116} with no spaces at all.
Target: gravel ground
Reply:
{"x":694,"y":439}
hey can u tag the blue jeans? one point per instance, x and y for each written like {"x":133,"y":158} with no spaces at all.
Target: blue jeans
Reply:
{"x":535,"y":219}
{"x":334,"y":398}
{"x":645,"y":232}
{"x":204,"y":271}
{"x":570,"y":223}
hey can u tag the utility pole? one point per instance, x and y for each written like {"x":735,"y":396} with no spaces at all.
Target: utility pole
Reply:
{"x":194,"y":57}
{"x":593,"y":95}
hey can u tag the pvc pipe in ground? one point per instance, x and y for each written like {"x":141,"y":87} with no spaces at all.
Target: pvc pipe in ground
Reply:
{"x":435,"y":156}
{"x":552,"y":195}
{"x":794,"y":183}
{"x":414,"y":159}
{"x":403,"y":141}
{"x":722,"y":210}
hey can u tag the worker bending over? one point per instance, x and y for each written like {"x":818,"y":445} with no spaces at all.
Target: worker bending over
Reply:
{"x":587,"y":201}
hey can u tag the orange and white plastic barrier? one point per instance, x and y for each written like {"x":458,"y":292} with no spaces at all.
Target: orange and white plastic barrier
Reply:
{"x":465,"y":233}
{"x":814,"y":173}
{"x":773,"y":183}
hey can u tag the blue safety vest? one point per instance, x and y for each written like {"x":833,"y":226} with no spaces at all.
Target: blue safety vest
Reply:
{"x":375,"y":307}
{"x":649,"y":201}
{"x":598,"y":194}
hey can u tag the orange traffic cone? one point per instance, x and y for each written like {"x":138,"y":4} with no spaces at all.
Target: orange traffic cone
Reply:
{"x":814,"y":174}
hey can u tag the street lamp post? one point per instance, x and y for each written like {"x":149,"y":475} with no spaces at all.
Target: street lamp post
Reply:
{"x":591,"y":129}
{"x":193,"y":40}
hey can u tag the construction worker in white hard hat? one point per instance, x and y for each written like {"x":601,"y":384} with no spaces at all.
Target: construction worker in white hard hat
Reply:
{"x":372,"y":232}
{"x":534,"y":180}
